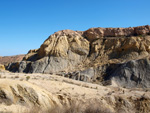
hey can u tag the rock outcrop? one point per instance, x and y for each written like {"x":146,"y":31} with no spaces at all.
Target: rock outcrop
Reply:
{"x":61,"y":51}
{"x":134,"y":73}
{"x":88,"y":55}
{"x":19,"y":96}
{"x":95,"y":33}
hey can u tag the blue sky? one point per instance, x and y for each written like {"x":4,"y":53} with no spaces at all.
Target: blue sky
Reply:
{"x":25,"y":24}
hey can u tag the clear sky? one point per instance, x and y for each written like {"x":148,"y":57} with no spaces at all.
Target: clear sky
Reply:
{"x":25,"y":24}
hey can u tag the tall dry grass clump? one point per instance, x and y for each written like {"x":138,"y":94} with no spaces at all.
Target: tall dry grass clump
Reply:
{"x":76,"y":107}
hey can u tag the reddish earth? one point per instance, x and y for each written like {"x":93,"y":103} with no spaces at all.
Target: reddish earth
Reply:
{"x":9,"y":59}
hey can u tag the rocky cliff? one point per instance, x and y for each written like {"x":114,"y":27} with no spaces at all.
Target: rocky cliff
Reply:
{"x":99,"y":55}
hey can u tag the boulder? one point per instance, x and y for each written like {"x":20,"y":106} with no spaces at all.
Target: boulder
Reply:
{"x":84,"y":75}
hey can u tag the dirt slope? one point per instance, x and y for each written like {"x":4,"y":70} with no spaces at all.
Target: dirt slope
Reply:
{"x":116,"y":99}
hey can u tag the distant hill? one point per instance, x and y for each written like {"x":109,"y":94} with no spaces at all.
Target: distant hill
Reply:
{"x":9,"y":59}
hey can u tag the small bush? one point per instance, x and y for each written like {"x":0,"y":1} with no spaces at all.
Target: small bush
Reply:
{"x":27,"y":78}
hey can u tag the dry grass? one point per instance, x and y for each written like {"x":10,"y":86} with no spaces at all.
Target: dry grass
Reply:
{"x":75,"y":108}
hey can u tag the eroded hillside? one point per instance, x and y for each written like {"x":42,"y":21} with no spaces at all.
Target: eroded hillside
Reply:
{"x":94,"y":56}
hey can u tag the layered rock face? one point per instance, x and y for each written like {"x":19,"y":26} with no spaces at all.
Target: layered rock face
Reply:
{"x":95,"y":33}
{"x":90,"y":55}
